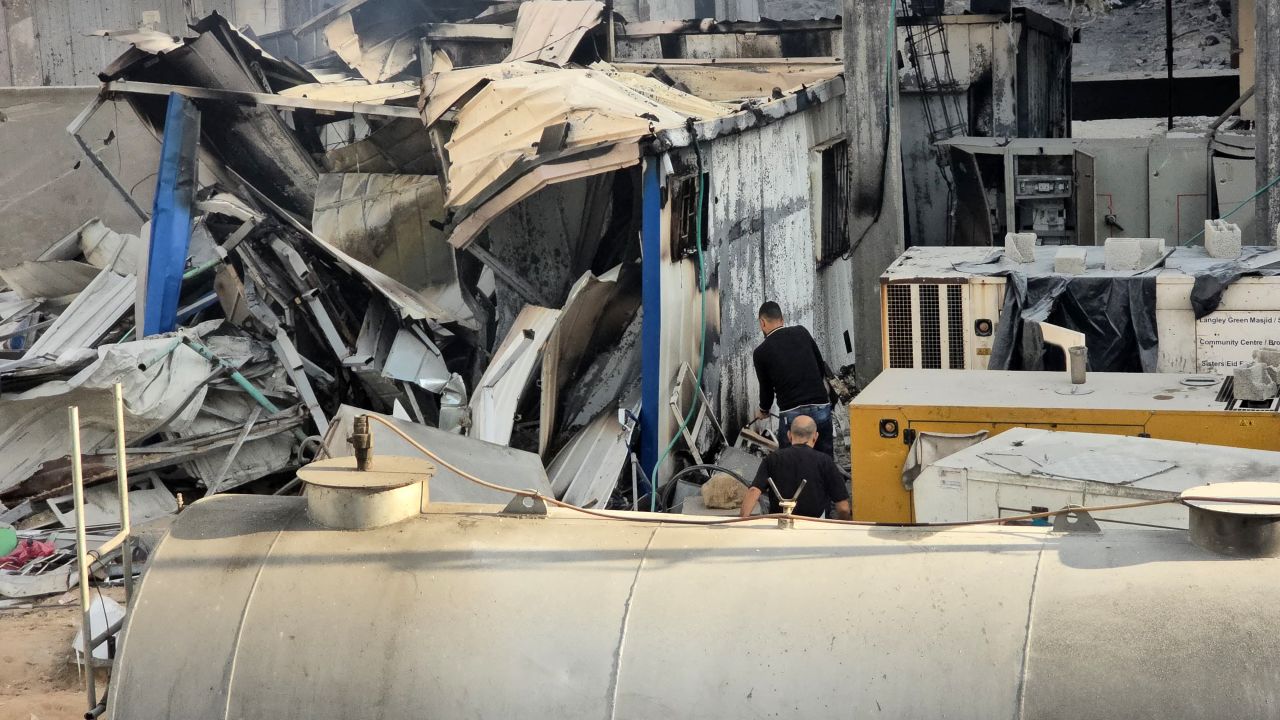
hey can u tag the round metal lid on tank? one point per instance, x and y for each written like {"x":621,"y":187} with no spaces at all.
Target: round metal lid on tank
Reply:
{"x":1241,"y":519}
{"x":342,"y":496}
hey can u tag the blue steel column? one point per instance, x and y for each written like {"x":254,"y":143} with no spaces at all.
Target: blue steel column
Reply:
{"x":171,"y":217}
{"x":651,"y":323}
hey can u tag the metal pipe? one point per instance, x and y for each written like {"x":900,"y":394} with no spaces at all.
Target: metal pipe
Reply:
{"x":82,"y":555}
{"x":122,"y":480}
{"x":1240,"y":101}
{"x":1168,"y":53}
{"x":239,"y":379}
{"x":1076,"y":361}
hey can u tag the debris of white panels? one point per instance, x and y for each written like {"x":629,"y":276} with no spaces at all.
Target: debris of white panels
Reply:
{"x":1020,"y":247}
{"x":1222,"y":239}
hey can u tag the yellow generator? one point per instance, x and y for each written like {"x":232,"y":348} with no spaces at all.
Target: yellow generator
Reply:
{"x":891,"y":420}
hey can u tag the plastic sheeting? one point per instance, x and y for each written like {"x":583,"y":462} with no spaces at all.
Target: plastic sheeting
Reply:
{"x":1115,"y":310}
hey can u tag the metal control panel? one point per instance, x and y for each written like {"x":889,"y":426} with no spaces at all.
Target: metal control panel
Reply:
{"x":1042,"y":186}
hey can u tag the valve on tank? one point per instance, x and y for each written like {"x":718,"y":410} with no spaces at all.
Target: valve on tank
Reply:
{"x":788,"y":505}
{"x":362,"y":442}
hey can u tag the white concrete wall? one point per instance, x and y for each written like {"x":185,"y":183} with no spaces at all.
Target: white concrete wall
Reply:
{"x":763,"y":242}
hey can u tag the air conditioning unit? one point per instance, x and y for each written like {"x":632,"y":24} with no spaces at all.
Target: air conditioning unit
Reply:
{"x":936,"y":316}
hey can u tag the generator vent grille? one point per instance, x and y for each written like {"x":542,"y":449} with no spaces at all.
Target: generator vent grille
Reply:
{"x":925,"y":325}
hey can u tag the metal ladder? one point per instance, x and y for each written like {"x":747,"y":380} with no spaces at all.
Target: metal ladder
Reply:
{"x":943,"y":114}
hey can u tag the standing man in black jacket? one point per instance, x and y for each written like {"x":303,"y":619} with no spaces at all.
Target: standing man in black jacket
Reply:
{"x":790,"y":368}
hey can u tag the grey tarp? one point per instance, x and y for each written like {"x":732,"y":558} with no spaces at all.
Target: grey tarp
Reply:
{"x":1114,"y":309}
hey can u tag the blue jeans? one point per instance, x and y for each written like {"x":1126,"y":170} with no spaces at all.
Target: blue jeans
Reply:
{"x":821,"y":415}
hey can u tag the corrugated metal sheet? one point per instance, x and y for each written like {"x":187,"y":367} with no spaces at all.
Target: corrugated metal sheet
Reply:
{"x":48,"y":42}
{"x":550,"y":31}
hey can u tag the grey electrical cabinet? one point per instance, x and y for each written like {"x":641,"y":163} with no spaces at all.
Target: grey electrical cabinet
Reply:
{"x":1022,"y":185}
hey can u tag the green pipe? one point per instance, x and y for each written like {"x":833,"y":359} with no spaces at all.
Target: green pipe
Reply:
{"x":240,"y":380}
{"x":1233,"y":210}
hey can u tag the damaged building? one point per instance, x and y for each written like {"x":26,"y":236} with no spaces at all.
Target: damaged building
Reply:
{"x":553,"y":257}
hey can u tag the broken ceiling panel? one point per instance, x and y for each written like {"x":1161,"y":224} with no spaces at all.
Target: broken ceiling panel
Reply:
{"x":48,"y":279}
{"x":401,"y":146}
{"x":528,"y":177}
{"x":719,"y":83}
{"x":414,"y":359}
{"x":611,"y":376}
{"x":445,"y":88}
{"x":385,"y":221}
{"x":496,"y":463}
{"x":510,"y":372}
{"x":379,"y":40}
{"x":223,"y":469}
{"x":550,"y":30}
{"x":504,"y":123}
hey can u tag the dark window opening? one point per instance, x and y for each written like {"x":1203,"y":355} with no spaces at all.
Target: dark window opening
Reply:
{"x":684,"y":215}
{"x":834,"y":229}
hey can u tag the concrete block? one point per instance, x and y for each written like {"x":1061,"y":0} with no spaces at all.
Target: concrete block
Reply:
{"x":1020,"y":247}
{"x":1269,"y":355}
{"x":1071,"y":260}
{"x":1152,"y":250}
{"x":1123,"y":253}
{"x":1254,"y":382}
{"x":1222,"y":239}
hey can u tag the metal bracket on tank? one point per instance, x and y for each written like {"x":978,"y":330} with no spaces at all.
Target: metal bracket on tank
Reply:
{"x":1075,"y":522}
{"x":525,"y":506}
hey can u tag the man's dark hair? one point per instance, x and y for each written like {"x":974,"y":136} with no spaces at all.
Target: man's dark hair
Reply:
{"x":770,"y":311}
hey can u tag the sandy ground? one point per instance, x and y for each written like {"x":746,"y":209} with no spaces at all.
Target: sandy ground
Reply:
{"x":38,"y":677}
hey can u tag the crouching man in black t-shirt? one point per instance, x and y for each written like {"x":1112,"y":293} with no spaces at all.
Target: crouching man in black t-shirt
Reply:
{"x":800,"y":461}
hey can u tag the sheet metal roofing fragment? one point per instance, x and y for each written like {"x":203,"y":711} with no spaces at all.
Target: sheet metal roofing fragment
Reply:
{"x":85,"y":321}
{"x":518,"y":468}
{"x":550,"y":30}
{"x":386,"y":221}
{"x":48,"y":278}
{"x":498,"y":393}
{"x":590,"y":302}
{"x":157,"y":374}
{"x":586,"y":470}
{"x":503,"y":120}
{"x":379,"y":40}
{"x":253,"y":140}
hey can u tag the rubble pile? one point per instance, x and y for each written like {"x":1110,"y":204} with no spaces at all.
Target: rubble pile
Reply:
{"x":314,"y":265}
{"x":456,"y":249}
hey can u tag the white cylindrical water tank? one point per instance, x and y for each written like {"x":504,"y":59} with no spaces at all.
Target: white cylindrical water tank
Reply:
{"x":250,"y":610}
